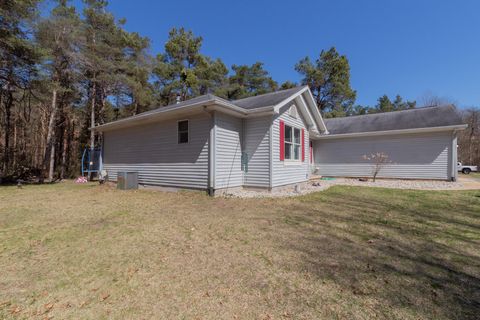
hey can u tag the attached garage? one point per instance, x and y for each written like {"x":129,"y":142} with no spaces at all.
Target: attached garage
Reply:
{"x":420,"y":144}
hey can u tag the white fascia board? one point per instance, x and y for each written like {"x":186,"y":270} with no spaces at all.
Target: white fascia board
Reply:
{"x":307,"y":112}
{"x":240,"y":112}
{"x":316,"y":113}
{"x":149,"y":116}
{"x":287,"y":100}
{"x":210,"y":105}
{"x":390,"y":132}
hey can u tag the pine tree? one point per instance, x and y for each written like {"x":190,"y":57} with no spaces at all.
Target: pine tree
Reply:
{"x":182,"y":71}
{"x":60,"y":39}
{"x":18,"y":57}
{"x":329,"y":80}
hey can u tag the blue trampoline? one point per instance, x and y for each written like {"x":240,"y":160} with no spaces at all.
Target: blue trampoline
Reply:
{"x":91,"y":161}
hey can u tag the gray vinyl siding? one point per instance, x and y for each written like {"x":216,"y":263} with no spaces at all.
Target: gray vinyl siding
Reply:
{"x":412,"y":156}
{"x":152,"y":150}
{"x":228,"y":151}
{"x":284,"y":172}
{"x":257,"y":147}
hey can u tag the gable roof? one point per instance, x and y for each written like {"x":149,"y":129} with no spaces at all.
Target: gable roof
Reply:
{"x":260,"y":105}
{"x":268,"y":99}
{"x":426,"y":117}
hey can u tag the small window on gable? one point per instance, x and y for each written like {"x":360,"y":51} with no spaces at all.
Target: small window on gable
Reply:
{"x":182,"y":131}
{"x":293,"y":111}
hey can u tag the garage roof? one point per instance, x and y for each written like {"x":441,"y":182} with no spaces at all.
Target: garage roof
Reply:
{"x":426,"y":117}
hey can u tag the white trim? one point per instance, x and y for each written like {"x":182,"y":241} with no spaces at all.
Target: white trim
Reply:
{"x":212,"y":152}
{"x":291,"y":162}
{"x":290,"y":98}
{"x":317,"y":113}
{"x":293,"y":144}
{"x":214,"y":104}
{"x":389,"y":132}
{"x":270,"y":165}
{"x":309,"y":115}
{"x":188,"y":131}
{"x":220,"y":105}
{"x":317,"y":117}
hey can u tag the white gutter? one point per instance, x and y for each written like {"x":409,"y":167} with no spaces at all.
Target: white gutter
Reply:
{"x":210,"y":105}
{"x":388,"y":132}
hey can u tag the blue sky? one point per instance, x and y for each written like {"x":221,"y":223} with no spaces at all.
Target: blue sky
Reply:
{"x":413,"y":48}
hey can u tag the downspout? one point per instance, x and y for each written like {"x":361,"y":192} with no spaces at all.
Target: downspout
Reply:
{"x":244,"y":151}
{"x":272,"y":123}
{"x":211,"y":156}
{"x":454,"y":173}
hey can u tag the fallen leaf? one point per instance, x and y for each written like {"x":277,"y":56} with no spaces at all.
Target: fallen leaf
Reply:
{"x":105,"y":296}
{"x":5,"y":303}
{"x":48,"y":307}
{"x":15,"y":310}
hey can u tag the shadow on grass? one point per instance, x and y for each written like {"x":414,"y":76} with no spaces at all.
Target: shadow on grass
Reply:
{"x":407,"y":249}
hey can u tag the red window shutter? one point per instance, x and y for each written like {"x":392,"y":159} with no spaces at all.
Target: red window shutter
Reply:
{"x":282,"y":140}
{"x":303,"y":145}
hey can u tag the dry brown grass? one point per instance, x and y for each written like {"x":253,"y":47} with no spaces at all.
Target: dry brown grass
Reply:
{"x":85,"y":251}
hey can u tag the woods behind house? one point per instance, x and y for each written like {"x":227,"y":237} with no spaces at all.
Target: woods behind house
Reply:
{"x":66,"y":70}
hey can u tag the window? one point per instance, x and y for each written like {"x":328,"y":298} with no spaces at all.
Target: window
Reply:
{"x":293,"y":143}
{"x":183,"y":131}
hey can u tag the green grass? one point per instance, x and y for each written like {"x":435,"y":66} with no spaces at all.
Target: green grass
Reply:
{"x":88,"y":251}
{"x":475,"y":175}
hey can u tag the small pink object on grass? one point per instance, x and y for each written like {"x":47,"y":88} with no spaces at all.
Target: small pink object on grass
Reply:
{"x":81,"y":180}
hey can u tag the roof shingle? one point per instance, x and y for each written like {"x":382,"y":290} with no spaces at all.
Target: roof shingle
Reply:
{"x":426,"y":117}
{"x":266,"y":100}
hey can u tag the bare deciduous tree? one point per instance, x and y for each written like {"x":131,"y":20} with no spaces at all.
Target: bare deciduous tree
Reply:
{"x":429,"y":99}
{"x":469,"y":139}
{"x":379,"y":160}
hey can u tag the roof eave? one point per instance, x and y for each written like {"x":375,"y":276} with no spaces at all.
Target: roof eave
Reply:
{"x":314,"y":113}
{"x":214,"y":104}
{"x":389,"y":132}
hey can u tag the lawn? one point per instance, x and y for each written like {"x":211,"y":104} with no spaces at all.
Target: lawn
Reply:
{"x":89,"y":251}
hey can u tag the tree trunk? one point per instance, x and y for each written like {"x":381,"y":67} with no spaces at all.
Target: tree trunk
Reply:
{"x":92,"y":125}
{"x":49,"y":148}
{"x":64,"y":151}
{"x":6,"y":145}
{"x":52,"y":163}
{"x":14,"y":151}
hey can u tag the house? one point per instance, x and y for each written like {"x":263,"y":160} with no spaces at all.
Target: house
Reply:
{"x":275,"y":140}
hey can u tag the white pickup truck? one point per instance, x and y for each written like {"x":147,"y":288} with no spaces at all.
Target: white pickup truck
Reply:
{"x":466,"y":169}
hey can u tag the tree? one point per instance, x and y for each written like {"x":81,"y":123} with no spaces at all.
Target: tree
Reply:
{"x":288,"y":85}
{"x":17,"y":61}
{"x":182,"y":71}
{"x":386,"y":105}
{"x":431,"y":100}
{"x":132,"y":89}
{"x":379,"y":160}
{"x":469,"y":139}
{"x":60,"y":38}
{"x":247,"y":81}
{"x":329,"y":80}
